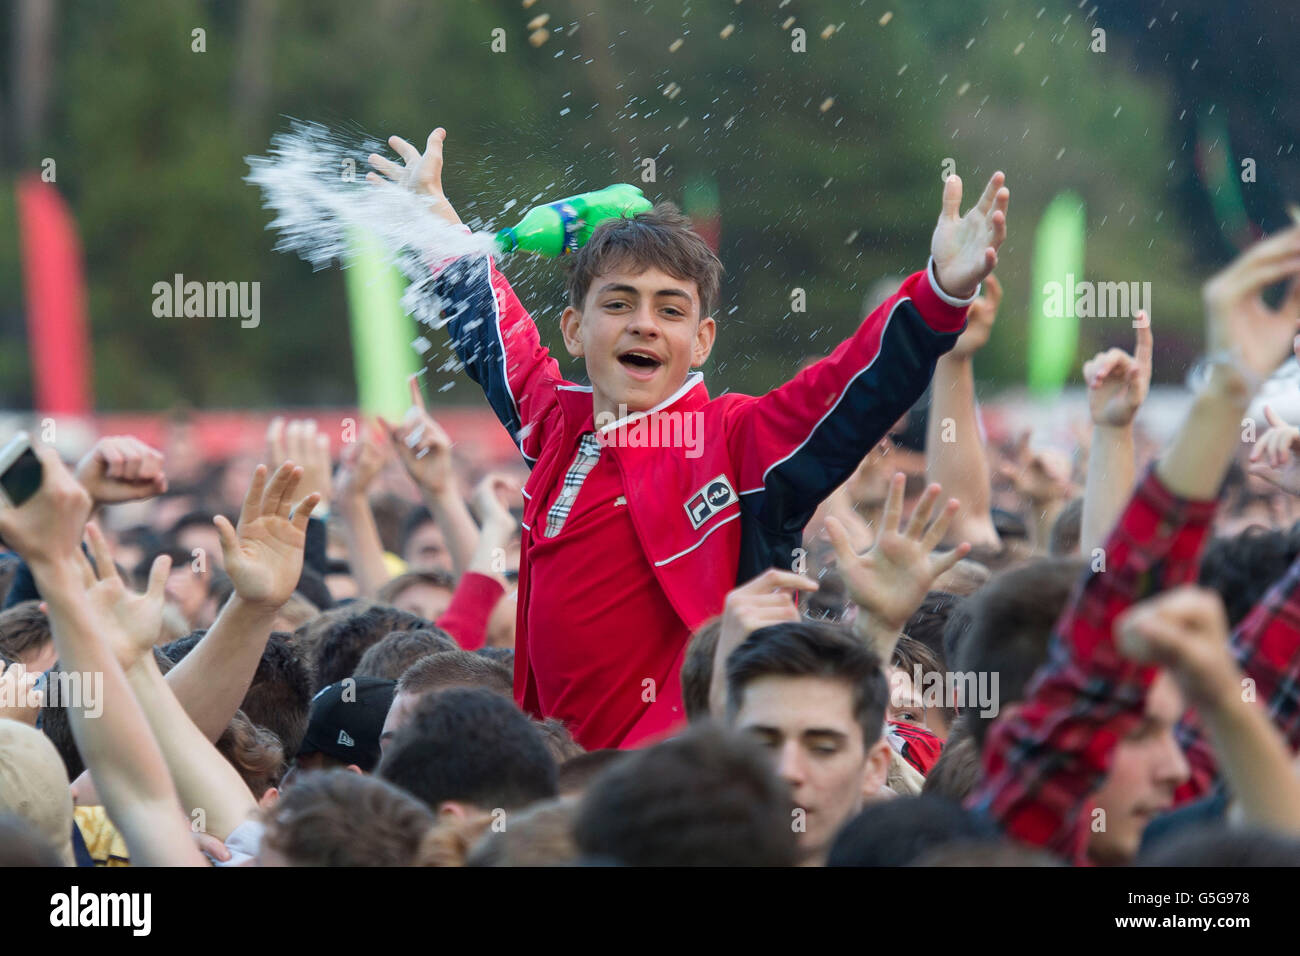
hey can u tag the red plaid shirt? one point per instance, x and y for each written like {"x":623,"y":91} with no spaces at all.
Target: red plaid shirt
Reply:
{"x":1046,"y":756}
{"x":1266,"y":645}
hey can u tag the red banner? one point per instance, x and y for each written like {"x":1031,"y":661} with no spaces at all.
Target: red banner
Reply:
{"x":55,"y":299}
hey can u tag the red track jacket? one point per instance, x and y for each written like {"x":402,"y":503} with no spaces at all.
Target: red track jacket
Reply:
{"x":710,"y":522}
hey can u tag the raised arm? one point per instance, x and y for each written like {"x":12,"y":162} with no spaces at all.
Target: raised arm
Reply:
{"x":212,"y":794}
{"x":491,"y":332}
{"x":1117,"y":385}
{"x":800,"y":441}
{"x":1042,"y":760}
{"x":362,"y":461}
{"x":424,"y":449}
{"x":116,"y":742}
{"x":263,"y":557}
{"x":1266,"y":647}
{"x":955,"y":456}
{"x":890,"y":581}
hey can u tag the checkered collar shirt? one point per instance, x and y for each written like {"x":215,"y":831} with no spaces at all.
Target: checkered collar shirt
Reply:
{"x":583,"y":462}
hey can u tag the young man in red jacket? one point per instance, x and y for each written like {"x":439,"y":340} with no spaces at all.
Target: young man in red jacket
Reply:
{"x":628,"y":545}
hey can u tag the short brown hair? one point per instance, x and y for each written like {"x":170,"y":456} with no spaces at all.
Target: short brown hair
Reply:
{"x":957,"y":771}
{"x":24,"y":631}
{"x":540,"y":836}
{"x":340,"y":818}
{"x":697,"y":668}
{"x":1005,"y":627}
{"x":660,"y":238}
{"x":254,"y":751}
{"x":456,"y":669}
{"x":390,"y":658}
{"x":434,"y":577}
{"x":1067,"y":530}
{"x":559,"y":741}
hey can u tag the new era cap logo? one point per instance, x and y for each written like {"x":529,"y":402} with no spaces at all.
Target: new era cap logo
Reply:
{"x":709,"y":500}
{"x":345,"y":740}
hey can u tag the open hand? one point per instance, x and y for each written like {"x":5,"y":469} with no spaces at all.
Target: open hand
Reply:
{"x":965,"y":248}
{"x":362,"y":461}
{"x":300,"y":441}
{"x":891,"y":580}
{"x":422,"y":174}
{"x":131,"y":623}
{"x":263,"y":555}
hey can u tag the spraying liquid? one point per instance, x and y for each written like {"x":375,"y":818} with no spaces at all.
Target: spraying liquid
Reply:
{"x":315,"y":181}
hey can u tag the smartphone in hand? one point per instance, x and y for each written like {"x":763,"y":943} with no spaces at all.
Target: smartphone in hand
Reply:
{"x":20,"y":471}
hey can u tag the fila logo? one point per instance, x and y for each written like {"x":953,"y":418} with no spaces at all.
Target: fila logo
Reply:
{"x":345,"y":740}
{"x":709,"y":500}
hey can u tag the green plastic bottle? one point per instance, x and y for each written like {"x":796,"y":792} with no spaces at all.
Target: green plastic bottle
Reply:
{"x":562,"y":227}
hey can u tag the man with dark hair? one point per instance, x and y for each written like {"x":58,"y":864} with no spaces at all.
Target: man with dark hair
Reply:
{"x":436,"y":673}
{"x":391,"y":657}
{"x":336,"y":640}
{"x":335,"y":818}
{"x":628,"y":546}
{"x":815,"y":696}
{"x":705,"y":798}
{"x":469,"y":752}
{"x":1091,"y":756}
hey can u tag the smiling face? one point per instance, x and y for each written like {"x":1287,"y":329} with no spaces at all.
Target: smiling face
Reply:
{"x":641,"y":333}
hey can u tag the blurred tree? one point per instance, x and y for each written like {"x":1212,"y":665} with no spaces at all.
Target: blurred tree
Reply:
{"x":827,"y":148}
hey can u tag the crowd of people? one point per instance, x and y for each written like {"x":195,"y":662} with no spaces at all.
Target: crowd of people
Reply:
{"x":846,"y":630}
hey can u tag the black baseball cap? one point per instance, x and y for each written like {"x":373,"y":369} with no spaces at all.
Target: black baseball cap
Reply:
{"x":347,"y":718}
